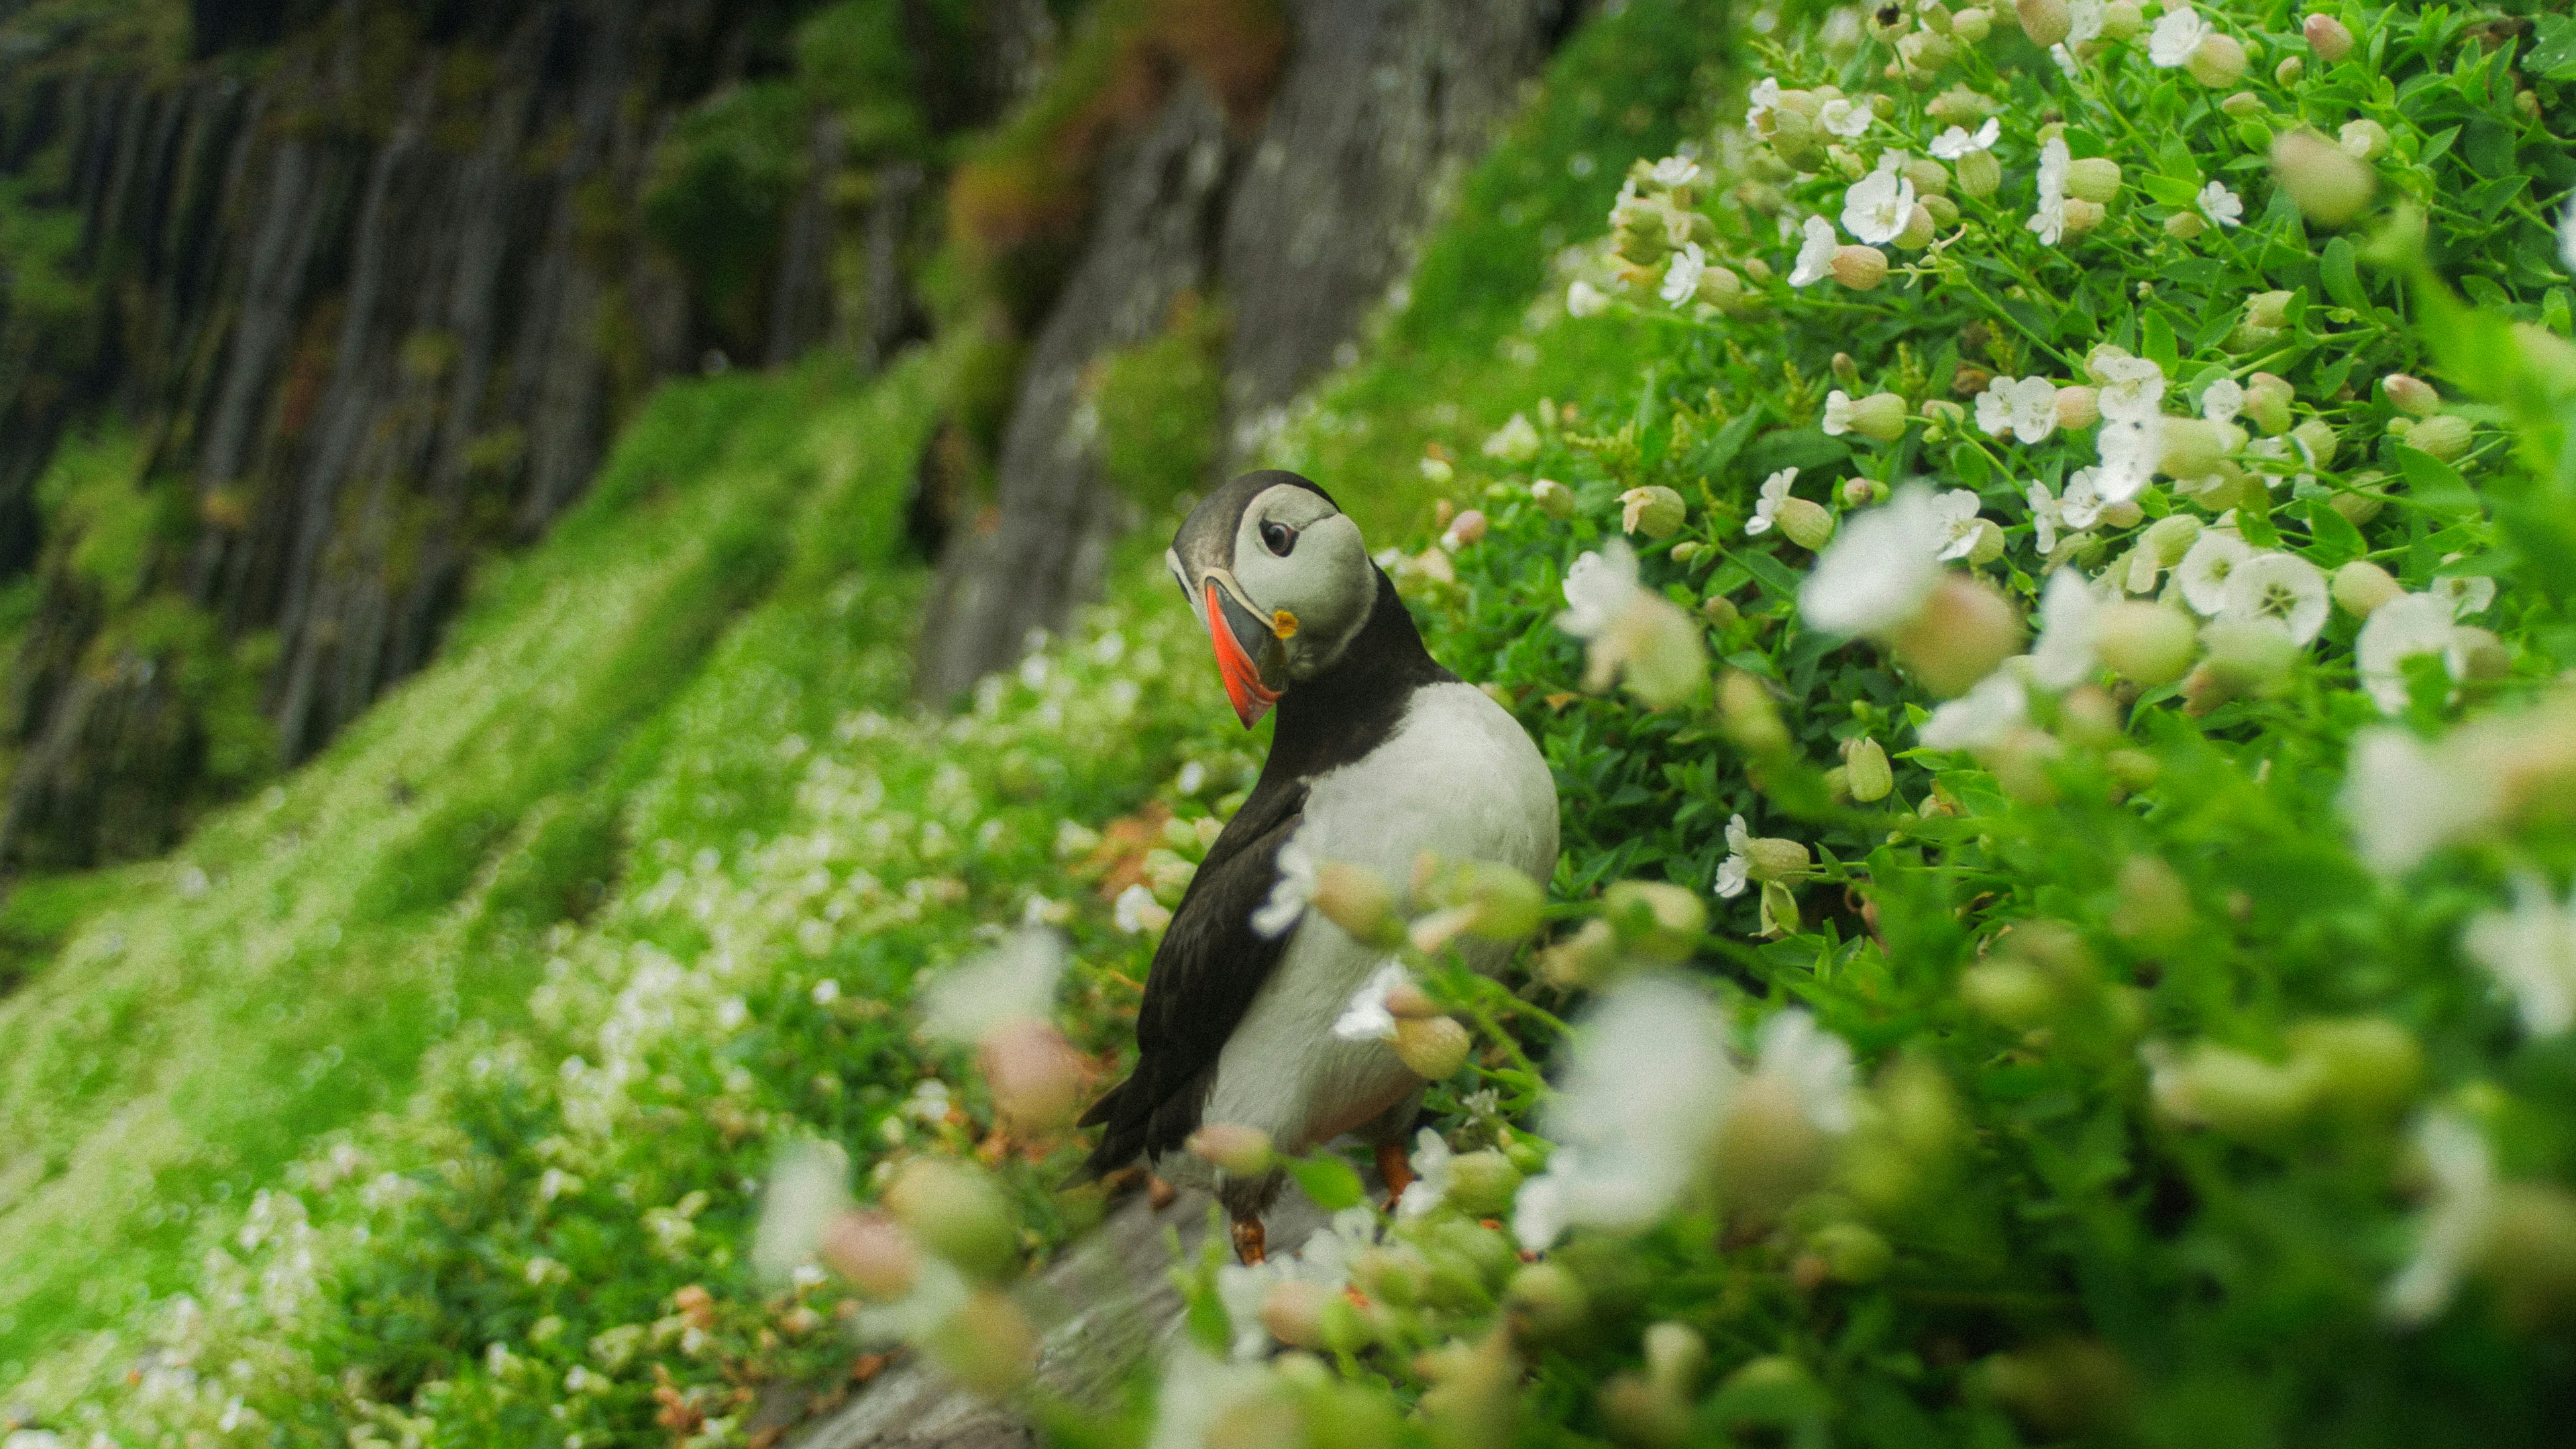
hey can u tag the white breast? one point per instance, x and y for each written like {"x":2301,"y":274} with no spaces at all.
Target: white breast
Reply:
{"x":1458,"y":777}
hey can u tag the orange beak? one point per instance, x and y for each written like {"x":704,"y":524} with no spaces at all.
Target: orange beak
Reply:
{"x":1252,"y":698}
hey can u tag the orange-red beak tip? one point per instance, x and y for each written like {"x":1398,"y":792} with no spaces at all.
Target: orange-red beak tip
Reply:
{"x":1243,"y":687}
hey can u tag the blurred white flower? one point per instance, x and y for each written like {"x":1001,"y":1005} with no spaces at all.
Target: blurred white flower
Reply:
{"x":1775,"y":491}
{"x":1137,"y":912}
{"x":2128,"y":452}
{"x":1631,"y":631}
{"x":2222,"y":400}
{"x":2403,"y":800}
{"x":1814,"y":1063}
{"x":1737,"y":868}
{"x":1013,"y":982}
{"x":1682,"y":274}
{"x":2132,"y":389}
{"x":1674,"y":171}
{"x":2455,"y":1222}
{"x":1430,"y":1163}
{"x":2069,"y":624}
{"x":1639,"y":1104}
{"x":2404,"y":628}
{"x":2567,"y":235}
{"x":1879,"y":567}
{"x":1955,"y":524}
{"x":1765,"y":98}
{"x":1845,"y":117}
{"x":1365,"y":1016}
{"x":1289,"y":893}
{"x":2026,"y":407}
{"x":1982,"y":718}
{"x":1582,"y":299}
{"x":2080,"y":509}
{"x":2466,"y":593}
{"x":2221,"y":205}
{"x":2278,"y":588}
{"x":1815,"y":252}
{"x":928,"y":1103}
{"x":2084,"y":20}
{"x":2531,"y":952}
{"x":1198,"y":1391}
{"x":2177,"y":34}
{"x":1958,"y":141}
{"x":808,"y":1188}
{"x":1597,"y":588}
{"x":1878,"y":206}
{"x":2049,"y":219}
{"x":2205,"y":567}
{"x":1516,"y":441}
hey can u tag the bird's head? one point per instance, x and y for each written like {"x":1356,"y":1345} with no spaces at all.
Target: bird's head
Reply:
{"x":1280,"y":578}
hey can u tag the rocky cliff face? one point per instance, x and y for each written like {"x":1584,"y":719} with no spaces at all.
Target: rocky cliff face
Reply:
{"x":1299,"y":225}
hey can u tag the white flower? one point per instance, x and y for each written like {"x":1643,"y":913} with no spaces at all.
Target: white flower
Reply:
{"x":1955,"y":524}
{"x":1013,"y":982}
{"x":2128,"y":452}
{"x":1880,"y":565}
{"x":1324,"y":1261}
{"x":1958,"y":141}
{"x":2176,"y":36}
{"x":2222,"y":400}
{"x":1838,"y":413}
{"x":2084,"y":20}
{"x":2467,"y":593}
{"x":2531,"y":952}
{"x":1815,"y":252}
{"x":1983,"y":717}
{"x":1765,"y":98}
{"x":1137,"y":911}
{"x":1365,"y":1017}
{"x":2401,"y":629}
{"x":2454,"y":1225}
{"x":2282,"y":589}
{"x":2049,"y":219}
{"x":1198,"y":1391}
{"x":1598,"y":589}
{"x":2133,"y":388}
{"x":1814,"y":1063}
{"x":2025,"y":406}
{"x":808,"y":1188}
{"x":1430,"y":1163}
{"x":2221,"y":205}
{"x":2402,"y":800}
{"x":1848,"y":119}
{"x":2069,"y":623}
{"x":1674,"y":171}
{"x":1775,"y":491}
{"x":1289,"y":893}
{"x":1649,"y":1081}
{"x":2204,"y":569}
{"x":2080,"y":509}
{"x":928,"y":1104}
{"x":1682,"y":274}
{"x":1514,"y":442}
{"x":1733,"y":871}
{"x":1582,"y":299}
{"x":1877,"y":207}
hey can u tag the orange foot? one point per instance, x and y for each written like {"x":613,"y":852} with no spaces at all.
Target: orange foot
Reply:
{"x":1397,"y":1172}
{"x":1251,"y":1241}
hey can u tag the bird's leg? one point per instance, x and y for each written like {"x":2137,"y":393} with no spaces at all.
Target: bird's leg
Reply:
{"x":1397,"y":1172}
{"x":1251,"y":1241}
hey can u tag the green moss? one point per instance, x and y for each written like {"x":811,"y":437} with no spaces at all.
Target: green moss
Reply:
{"x":1160,"y":405}
{"x":721,"y":183}
{"x":92,"y":496}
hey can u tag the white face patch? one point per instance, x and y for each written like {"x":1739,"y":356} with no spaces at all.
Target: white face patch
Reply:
{"x":1322,"y":578}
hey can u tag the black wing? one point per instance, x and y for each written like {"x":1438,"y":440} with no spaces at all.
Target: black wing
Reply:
{"x":1205,"y":974}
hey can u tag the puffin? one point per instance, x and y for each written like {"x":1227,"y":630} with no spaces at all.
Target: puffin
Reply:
{"x":1379,"y":754}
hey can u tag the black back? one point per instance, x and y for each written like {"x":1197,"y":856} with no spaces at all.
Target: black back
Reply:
{"x":1211,"y":963}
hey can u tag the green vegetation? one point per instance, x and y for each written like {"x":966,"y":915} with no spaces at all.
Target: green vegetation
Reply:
{"x":1161,"y":406}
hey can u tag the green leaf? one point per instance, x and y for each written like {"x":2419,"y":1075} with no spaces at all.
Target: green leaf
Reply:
{"x":2553,"y":51}
{"x":2156,"y":342}
{"x":2333,"y":541}
{"x":2342,"y":278}
{"x":2435,"y":484}
{"x":1330,"y":1181}
{"x":1969,"y":463}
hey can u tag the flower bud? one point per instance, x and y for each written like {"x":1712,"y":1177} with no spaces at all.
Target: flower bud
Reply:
{"x":1846,"y":369}
{"x":1655,"y":919}
{"x":1879,"y":416}
{"x":2366,"y":1064}
{"x":2267,"y":402}
{"x":1639,"y":1411}
{"x":2082,"y":216}
{"x":2358,"y":506}
{"x":2122,"y":20}
{"x":1943,"y":211}
{"x":1965,"y":628}
{"x":1918,"y":229}
{"x":871,"y":1251}
{"x":1750,"y":716}
{"x":1293,"y":1312}
{"x":1719,"y":611}
{"x":2478,"y":656}
{"x":2287,"y":73}
{"x":2193,"y":447}
{"x":955,"y":1211}
{"x":2078,"y":407}
{"x":1973,"y":24}
{"x":1860,"y":268}
{"x":1923,"y":53}
{"x":1553,"y":498}
{"x":2328,"y":184}
{"x":1358,"y":900}
{"x":1546,"y":1301}
{"x":2185,"y":225}
{"x":1930,"y":177}
{"x":2218,"y":61}
{"x":2123,"y":514}
{"x":2411,"y":395}
{"x":987,"y":1345}
{"x":1979,"y":173}
{"x":2247,"y":658}
{"x":2362,"y":586}
{"x":2327,"y":38}
{"x":2146,"y":643}
{"x":2363,"y":140}
{"x":2268,"y":311}
{"x":1506,"y":903}
{"x":2094,"y":178}
{"x":1435,"y":1048}
{"x":1805,"y":522}
{"x":2009,"y":992}
{"x":1852,"y":1253}
{"x":1860,"y":491}
{"x":1769,"y":1152}
{"x":2044,"y":21}
{"x":2444,"y":436}
{"x":2242,"y":105}
{"x":1234,"y":1149}
{"x":1482,"y":1184}
{"x":2154,"y":909}
{"x":1035,"y":1075}
{"x":1772,"y":858}
{"x":2315,"y":441}
{"x":1655,"y":511}
{"x":2172,"y":536}
{"x":2233,"y":1093}
{"x":1583,"y":959}
{"x":1721,"y":288}
{"x":1871,"y":776}
{"x":1466,"y":529}
{"x":1989,"y":545}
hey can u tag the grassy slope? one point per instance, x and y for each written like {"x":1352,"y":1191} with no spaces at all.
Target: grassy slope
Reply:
{"x":282,"y":973}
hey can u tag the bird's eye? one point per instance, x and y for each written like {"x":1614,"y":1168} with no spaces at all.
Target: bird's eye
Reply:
{"x":1279,"y":538}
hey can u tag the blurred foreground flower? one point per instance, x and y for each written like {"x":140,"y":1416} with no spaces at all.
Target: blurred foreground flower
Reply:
{"x":1000,"y":1003}
{"x":1635,"y":635}
{"x":2530,"y":950}
{"x":2455,"y":1223}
